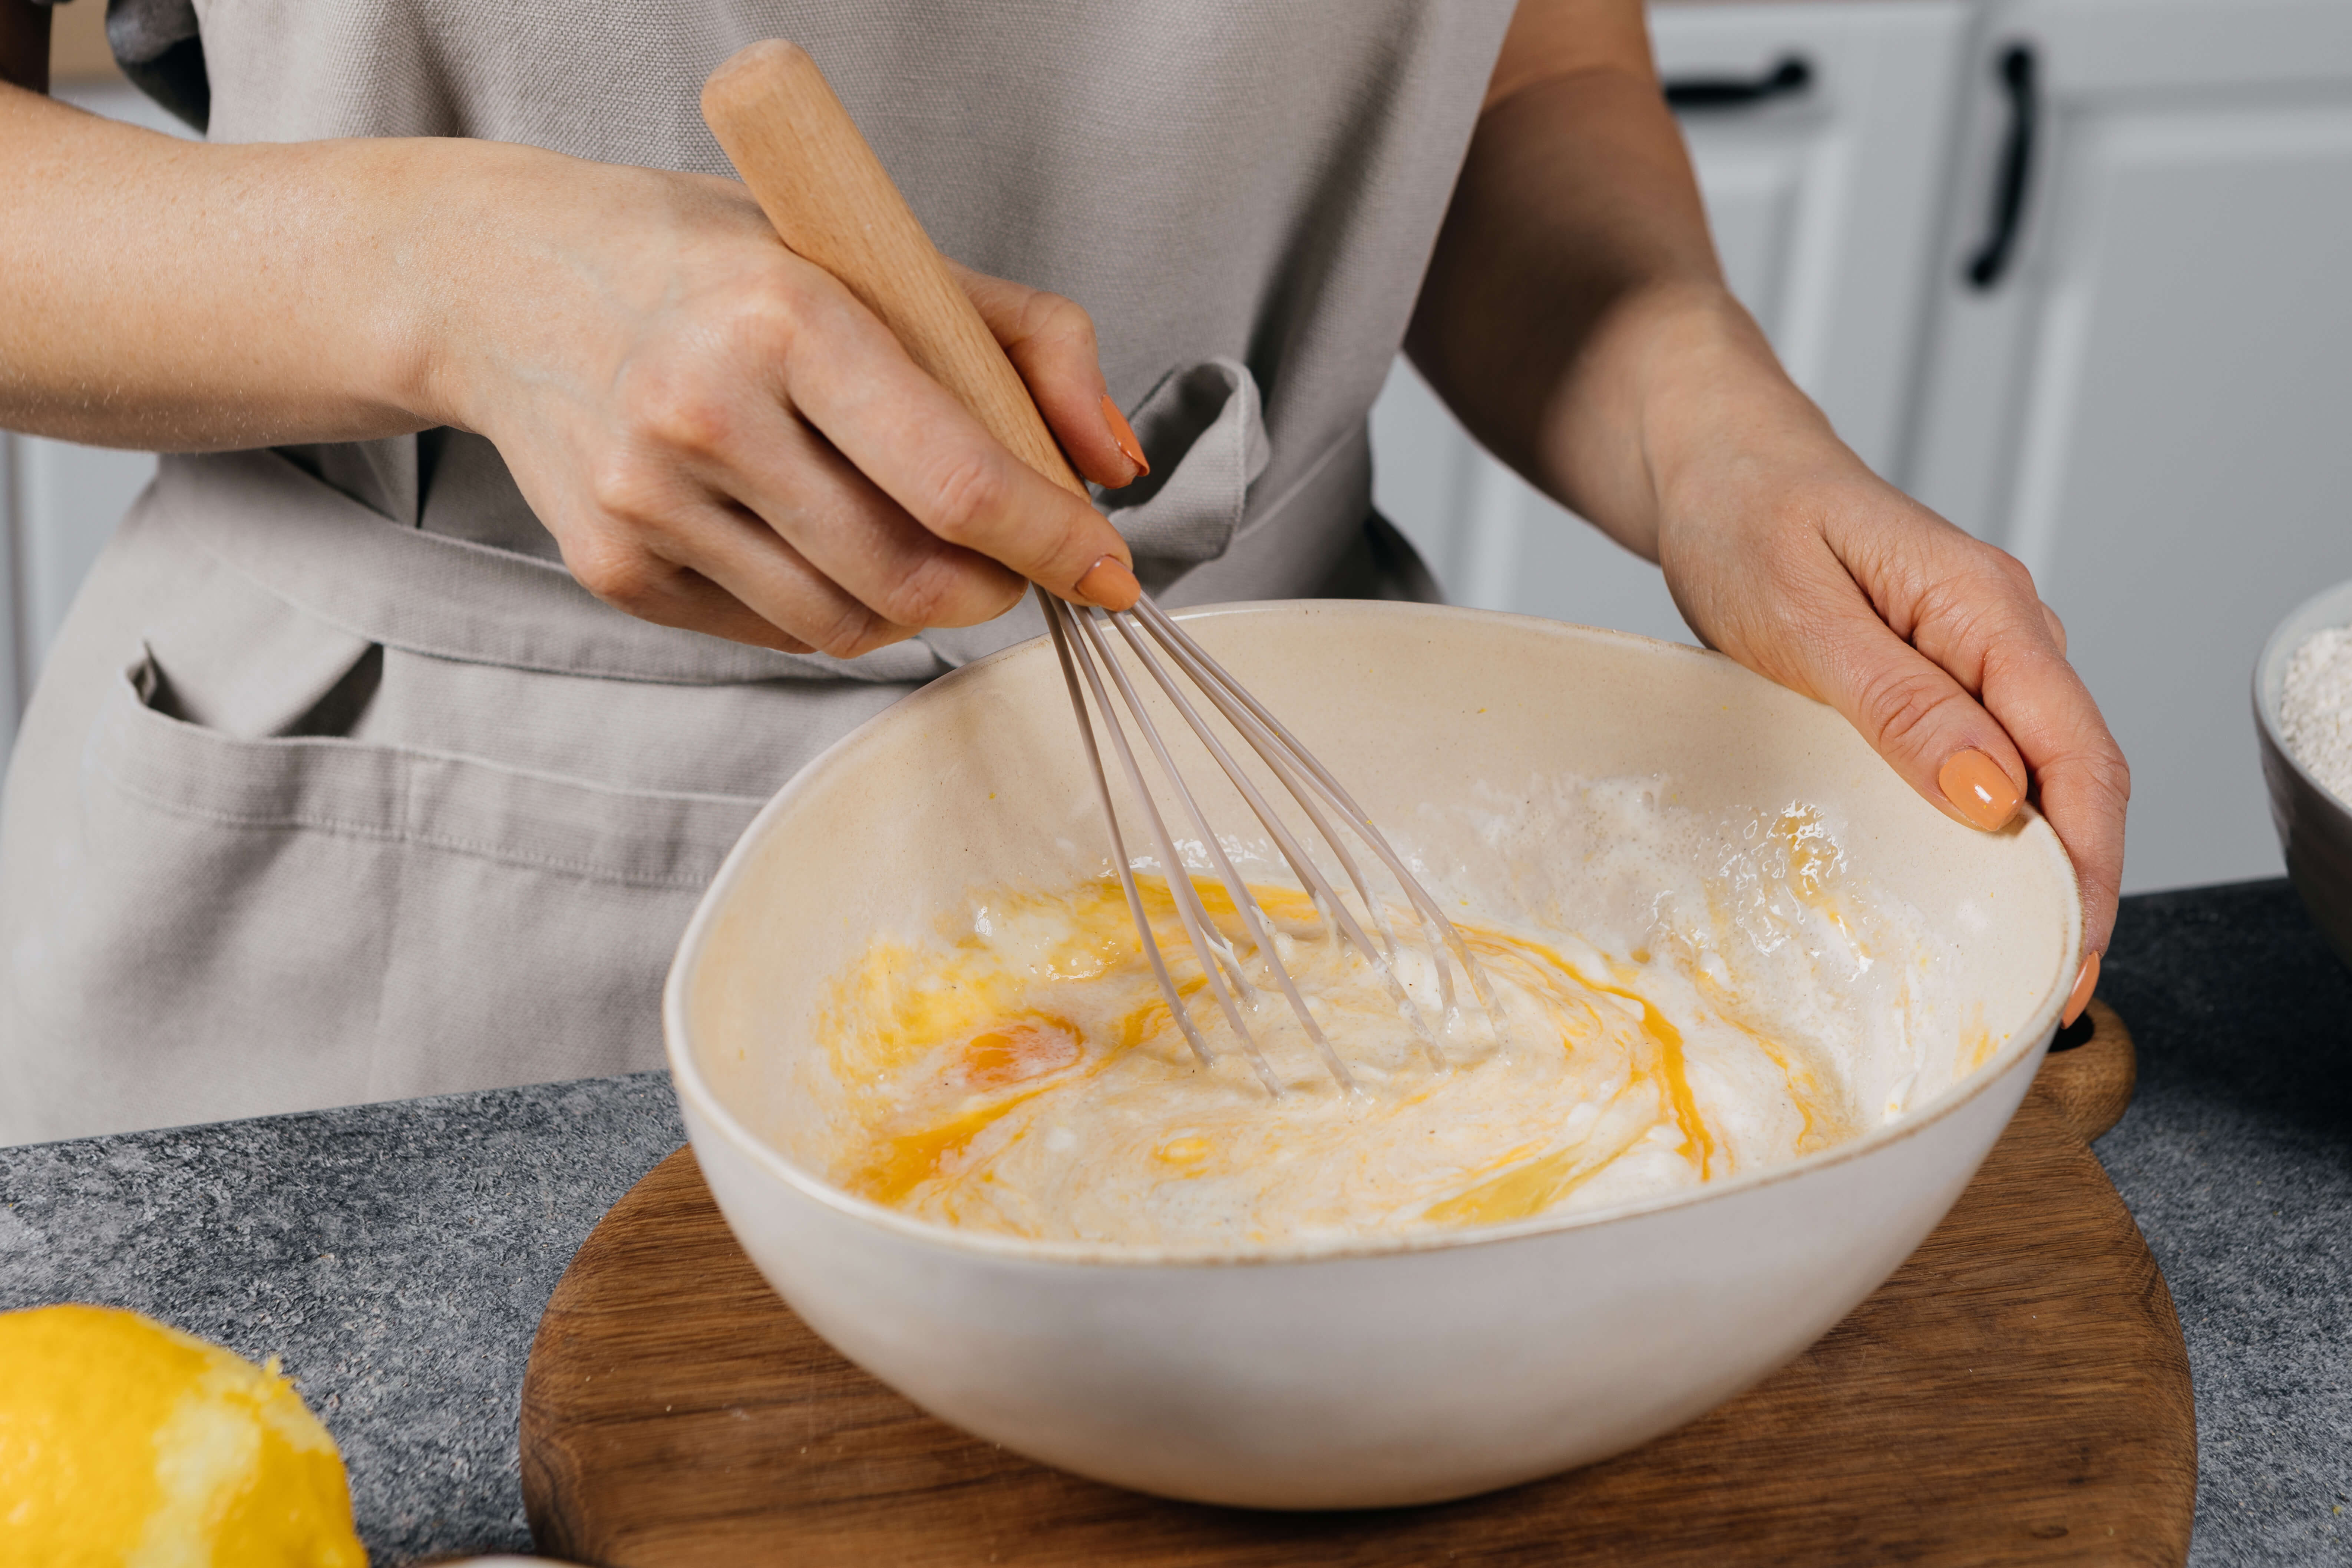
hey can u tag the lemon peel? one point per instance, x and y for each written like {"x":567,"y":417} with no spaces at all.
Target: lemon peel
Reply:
{"x":128,"y":1444}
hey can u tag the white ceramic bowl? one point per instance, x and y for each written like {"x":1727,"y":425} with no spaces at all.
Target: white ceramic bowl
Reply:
{"x":2315,"y":827}
{"x":1361,"y":1374}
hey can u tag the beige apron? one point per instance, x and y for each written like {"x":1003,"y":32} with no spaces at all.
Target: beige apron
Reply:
{"x":337,"y":787}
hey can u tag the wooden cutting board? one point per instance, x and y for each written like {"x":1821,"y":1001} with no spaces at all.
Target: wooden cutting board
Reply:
{"x":2018,"y":1392}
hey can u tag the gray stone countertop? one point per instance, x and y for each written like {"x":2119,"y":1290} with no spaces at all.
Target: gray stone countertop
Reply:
{"x":397,"y":1257}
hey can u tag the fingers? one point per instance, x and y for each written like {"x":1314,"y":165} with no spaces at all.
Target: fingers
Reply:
{"x":2000,"y":684}
{"x":1050,"y":342}
{"x":2080,"y":780}
{"x":1973,"y":610}
{"x":658,"y":531}
{"x":1911,"y":709}
{"x":619,"y":569}
{"x":849,"y":378}
{"x":744,"y":450}
{"x":713,"y":567}
{"x":1937,"y":650}
{"x":774,"y":474}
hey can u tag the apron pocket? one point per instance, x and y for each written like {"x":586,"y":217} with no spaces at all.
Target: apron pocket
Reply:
{"x":396,"y":795}
{"x":239,"y":926}
{"x":1203,"y":426}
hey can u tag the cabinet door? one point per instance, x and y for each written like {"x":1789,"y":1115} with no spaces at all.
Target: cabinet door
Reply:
{"x":1825,"y":197}
{"x":2147,"y":405}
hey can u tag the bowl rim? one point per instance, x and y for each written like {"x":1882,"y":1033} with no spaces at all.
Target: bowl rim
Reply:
{"x":696,"y":1096}
{"x":2329,"y":609}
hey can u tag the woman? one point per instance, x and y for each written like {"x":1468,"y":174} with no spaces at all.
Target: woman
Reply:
{"x":537,"y":513}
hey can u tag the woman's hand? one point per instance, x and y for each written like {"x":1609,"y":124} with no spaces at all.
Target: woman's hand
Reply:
{"x":1575,"y":317}
{"x":722,"y":437}
{"x":1784,"y":551}
{"x":719,"y":436}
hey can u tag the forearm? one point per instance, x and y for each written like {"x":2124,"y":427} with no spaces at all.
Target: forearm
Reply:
{"x":1574,"y":315}
{"x":176,"y":295}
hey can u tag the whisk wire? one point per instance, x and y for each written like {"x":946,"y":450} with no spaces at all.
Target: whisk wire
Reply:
{"x":1087,"y":654}
{"x":1305,"y":791}
{"x":1119,"y":847}
{"x":1198,"y":929}
{"x":1325,"y":897}
{"x":1211,"y":674}
{"x":1243,"y":904}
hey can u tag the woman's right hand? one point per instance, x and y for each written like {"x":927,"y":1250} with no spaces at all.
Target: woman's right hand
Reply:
{"x":716,"y":432}
{"x":722,"y":437}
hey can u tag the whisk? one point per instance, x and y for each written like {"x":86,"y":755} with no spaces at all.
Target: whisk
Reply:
{"x":832,"y":203}
{"x":1086,"y":652}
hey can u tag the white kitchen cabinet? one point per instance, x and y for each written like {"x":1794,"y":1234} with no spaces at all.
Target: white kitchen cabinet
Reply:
{"x":2148,"y":407}
{"x":1827,"y":205}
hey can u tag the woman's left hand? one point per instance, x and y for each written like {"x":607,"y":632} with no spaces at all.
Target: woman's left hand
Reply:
{"x":1784,"y":551}
{"x":1574,"y":316}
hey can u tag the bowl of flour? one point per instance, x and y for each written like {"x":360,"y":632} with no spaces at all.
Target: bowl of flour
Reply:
{"x":2303,"y":711}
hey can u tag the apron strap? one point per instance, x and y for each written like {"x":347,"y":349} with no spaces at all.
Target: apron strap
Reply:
{"x":305,"y":543}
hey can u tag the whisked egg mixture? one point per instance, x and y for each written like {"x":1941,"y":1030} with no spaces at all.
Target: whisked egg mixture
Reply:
{"x":1021,"y":1074}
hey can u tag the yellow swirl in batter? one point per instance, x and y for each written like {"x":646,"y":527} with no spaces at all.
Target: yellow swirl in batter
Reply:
{"x":1025,"y":1077}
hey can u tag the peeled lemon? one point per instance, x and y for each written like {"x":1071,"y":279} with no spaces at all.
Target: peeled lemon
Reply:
{"x":124,"y":1444}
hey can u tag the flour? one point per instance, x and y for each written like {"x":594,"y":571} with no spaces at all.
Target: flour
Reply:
{"x":2315,"y":710}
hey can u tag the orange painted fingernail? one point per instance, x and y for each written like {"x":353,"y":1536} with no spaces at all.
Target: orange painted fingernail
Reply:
{"x":2080,"y":997}
{"x":1123,"y":434}
{"x":1975,"y":782}
{"x":1109,"y":584}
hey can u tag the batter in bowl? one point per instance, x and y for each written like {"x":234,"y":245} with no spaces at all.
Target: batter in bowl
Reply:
{"x":1021,"y":1074}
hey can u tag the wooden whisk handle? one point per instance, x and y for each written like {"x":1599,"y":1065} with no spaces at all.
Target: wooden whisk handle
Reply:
{"x":832,"y":204}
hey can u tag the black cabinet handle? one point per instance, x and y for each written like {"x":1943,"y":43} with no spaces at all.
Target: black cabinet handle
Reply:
{"x":1789,"y":79}
{"x":2016,"y":71}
